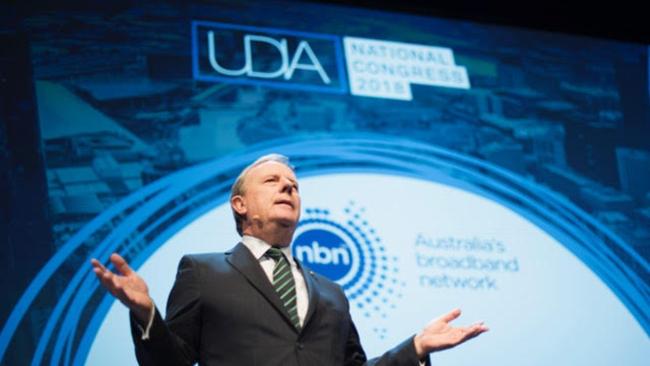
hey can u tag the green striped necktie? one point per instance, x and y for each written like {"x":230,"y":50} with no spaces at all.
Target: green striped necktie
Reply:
{"x":284,"y":284}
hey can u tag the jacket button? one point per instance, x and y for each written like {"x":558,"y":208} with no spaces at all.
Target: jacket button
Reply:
{"x":300,"y":345}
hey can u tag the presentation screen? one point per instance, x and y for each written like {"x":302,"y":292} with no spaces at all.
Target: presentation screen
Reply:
{"x":442,"y":164}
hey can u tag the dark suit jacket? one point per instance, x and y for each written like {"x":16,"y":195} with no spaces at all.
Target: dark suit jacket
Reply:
{"x":223,"y":310}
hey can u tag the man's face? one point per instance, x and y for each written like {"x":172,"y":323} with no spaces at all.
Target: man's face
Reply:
{"x":270,"y":196}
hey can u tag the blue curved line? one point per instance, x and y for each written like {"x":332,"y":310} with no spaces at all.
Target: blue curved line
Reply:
{"x":65,"y":251}
{"x":103,"y":249}
{"x":51,"y":266}
{"x":93,"y":325}
{"x":449,"y":182}
{"x":91,"y":330}
{"x":84,"y":293}
{"x":324,"y":152}
{"x":186,"y":177}
{"x":144,"y":212}
{"x":526,"y":184}
{"x":635,"y":255}
{"x":154,"y":245}
{"x":99,"y":252}
{"x":509,"y":175}
{"x":604,"y":248}
{"x":609,"y":250}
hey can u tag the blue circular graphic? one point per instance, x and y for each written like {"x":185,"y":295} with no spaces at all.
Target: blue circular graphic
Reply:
{"x":143,"y":221}
{"x":325,"y":241}
{"x":325,"y":252}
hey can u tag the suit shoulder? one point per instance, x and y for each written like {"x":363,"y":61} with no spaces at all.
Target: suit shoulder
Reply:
{"x":203,"y":259}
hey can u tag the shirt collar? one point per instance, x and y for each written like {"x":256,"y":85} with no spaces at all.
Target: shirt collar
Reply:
{"x":259,"y":247}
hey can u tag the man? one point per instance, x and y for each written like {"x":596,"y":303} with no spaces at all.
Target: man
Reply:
{"x":256,"y":305}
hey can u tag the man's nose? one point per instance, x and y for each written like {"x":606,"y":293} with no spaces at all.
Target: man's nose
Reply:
{"x":287,"y":186}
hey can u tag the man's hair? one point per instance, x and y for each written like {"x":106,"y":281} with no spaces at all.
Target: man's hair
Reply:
{"x":238,"y":187}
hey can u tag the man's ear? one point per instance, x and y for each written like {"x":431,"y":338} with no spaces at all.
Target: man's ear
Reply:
{"x":238,"y":205}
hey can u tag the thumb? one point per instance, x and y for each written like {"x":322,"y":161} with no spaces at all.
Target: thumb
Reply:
{"x":450,"y":315}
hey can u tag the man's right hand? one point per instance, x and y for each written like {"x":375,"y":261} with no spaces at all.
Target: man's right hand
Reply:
{"x":127,"y":286}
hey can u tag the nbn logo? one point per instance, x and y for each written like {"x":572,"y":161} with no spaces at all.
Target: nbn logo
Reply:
{"x":267,"y":56}
{"x":323,"y":251}
{"x":322,"y":254}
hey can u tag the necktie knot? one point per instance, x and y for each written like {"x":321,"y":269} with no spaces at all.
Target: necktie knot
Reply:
{"x":275,"y":253}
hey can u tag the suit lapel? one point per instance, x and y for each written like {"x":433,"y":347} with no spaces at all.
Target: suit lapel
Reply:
{"x":242,"y":259}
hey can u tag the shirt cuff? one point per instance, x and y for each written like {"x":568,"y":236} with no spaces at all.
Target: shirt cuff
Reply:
{"x":145,"y":331}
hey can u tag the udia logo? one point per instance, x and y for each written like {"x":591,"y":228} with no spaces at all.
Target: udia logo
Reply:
{"x":267,"y":56}
{"x":345,"y":248}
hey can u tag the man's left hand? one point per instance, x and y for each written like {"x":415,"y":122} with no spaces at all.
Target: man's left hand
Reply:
{"x":439,"y":335}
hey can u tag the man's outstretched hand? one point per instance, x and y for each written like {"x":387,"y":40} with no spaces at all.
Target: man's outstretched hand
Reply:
{"x":127,"y":286}
{"x":439,"y":335}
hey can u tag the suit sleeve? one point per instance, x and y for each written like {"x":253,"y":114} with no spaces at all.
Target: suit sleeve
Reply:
{"x":174,"y":341}
{"x":401,"y":355}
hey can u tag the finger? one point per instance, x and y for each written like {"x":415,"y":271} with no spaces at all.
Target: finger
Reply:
{"x":474,"y":330}
{"x":450,"y":315}
{"x":121,"y":291}
{"x":117,"y":287}
{"x":103,"y":274}
{"x":98,"y":271}
{"x":481,"y":327}
{"x":478,"y":326}
{"x":473,"y":333}
{"x":97,"y":265}
{"x":116,"y":281}
{"x":98,"y":274}
{"x":105,"y":278}
{"x":121,"y":264}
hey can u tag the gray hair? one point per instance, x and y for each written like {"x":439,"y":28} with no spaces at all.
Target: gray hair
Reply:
{"x":238,"y":187}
